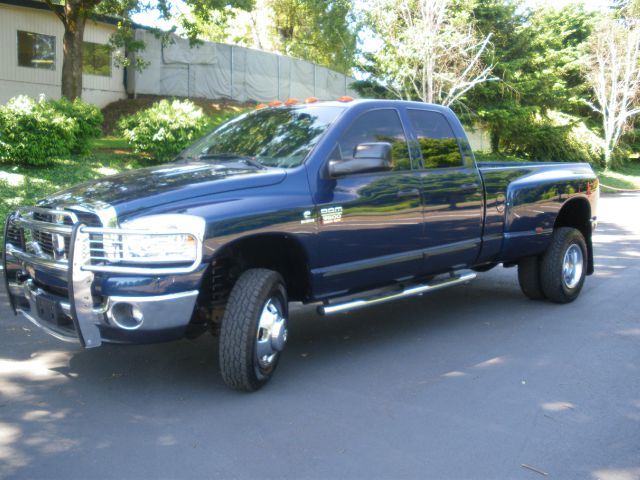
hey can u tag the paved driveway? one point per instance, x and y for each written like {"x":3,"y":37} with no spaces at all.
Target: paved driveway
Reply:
{"x":472,"y":382}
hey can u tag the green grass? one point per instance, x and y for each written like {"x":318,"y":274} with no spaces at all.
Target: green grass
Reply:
{"x":23,"y":186}
{"x":109,"y":143}
{"x":626,"y":177}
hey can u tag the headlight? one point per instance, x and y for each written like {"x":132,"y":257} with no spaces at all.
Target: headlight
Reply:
{"x":172,"y":238}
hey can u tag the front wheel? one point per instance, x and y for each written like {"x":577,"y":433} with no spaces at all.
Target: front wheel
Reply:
{"x":564,"y":265}
{"x":254,"y":329}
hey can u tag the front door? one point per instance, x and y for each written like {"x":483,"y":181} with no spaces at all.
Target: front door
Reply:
{"x":370,"y":225}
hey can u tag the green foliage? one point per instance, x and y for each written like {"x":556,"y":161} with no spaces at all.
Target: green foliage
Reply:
{"x":626,"y":176}
{"x":88,"y":119}
{"x":165,"y":128}
{"x":552,"y":137}
{"x":32,"y":132}
{"x":371,"y":86}
{"x":440,"y":152}
{"x":319,"y":31}
{"x":538,"y":56}
{"x":316,"y":30}
{"x":427,"y":51}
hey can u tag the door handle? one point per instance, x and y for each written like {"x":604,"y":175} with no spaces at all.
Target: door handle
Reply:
{"x":413,"y":192}
{"x":468,"y":187}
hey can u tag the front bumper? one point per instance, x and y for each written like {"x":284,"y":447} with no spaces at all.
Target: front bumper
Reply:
{"x":82,"y":316}
{"x":157,"y":316}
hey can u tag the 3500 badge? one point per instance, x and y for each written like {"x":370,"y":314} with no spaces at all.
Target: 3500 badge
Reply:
{"x":331,"y":215}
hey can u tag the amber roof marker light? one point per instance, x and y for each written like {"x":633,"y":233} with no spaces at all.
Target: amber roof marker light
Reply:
{"x":292,"y":101}
{"x":311,"y":100}
{"x":345,"y":98}
{"x":275,"y":103}
{"x":260,"y":106}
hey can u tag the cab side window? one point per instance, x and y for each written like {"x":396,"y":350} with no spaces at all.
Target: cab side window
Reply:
{"x":438,"y":144}
{"x":376,"y":126}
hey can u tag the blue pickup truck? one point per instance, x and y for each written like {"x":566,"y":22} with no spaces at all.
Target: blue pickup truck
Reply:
{"x":346,"y":204}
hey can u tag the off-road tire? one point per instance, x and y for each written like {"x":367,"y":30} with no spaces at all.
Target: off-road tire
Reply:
{"x":529,"y":278}
{"x":238,"y":361}
{"x":551,"y":265}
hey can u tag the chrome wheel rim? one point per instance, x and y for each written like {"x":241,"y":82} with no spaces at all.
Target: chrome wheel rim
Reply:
{"x":271,"y":336}
{"x":572,"y":266}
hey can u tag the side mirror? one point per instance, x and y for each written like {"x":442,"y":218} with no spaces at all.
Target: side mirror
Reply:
{"x":367,"y":158}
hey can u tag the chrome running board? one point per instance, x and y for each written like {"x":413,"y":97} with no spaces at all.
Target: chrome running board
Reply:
{"x":455,"y":278}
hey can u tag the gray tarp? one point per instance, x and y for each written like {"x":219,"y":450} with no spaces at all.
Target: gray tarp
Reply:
{"x":215,"y":70}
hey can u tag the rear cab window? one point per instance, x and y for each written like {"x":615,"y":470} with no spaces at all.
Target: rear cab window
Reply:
{"x":438,"y":144}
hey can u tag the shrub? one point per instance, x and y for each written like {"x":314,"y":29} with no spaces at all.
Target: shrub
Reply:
{"x":34,"y":131}
{"x":165,"y":128}
{"x":89,"y":120}
{"x":553,"y":137}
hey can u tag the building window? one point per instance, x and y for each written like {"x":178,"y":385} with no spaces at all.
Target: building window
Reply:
{"x":96,"y":59}
{"x":36,"y":50}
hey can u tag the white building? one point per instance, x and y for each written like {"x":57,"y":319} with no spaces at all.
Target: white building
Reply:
{"x":31,"y":64}
{"x":31,"y":55}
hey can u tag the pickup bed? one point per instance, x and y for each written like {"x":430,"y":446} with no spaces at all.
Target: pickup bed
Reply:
{"x":345,"y":204}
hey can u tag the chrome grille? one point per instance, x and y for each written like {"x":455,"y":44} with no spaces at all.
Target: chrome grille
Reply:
{"x":15,"y":236}
{"x":51,"y":244}
{"x":45,"y":233}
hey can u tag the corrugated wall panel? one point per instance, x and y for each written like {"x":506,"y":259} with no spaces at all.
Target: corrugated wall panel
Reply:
{"x":257,"y":75}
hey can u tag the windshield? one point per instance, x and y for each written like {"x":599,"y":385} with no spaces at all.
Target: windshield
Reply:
{"x":274,"y":137}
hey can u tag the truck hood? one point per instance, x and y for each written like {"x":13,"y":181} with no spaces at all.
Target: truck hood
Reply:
{"x":150,"y":187}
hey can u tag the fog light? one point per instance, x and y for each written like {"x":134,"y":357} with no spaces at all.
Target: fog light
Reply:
{"x":126,"y":315}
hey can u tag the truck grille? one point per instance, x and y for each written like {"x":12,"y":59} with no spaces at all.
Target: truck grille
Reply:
{"x":46,"y":233}
{"x":46,"y":240}
{"x":15,"y":236}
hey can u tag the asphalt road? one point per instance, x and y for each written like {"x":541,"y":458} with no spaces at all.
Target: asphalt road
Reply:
{"x":471,"y":382}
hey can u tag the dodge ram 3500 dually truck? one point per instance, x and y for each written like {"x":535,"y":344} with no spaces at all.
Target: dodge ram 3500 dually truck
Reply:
{"x":345,"y":204}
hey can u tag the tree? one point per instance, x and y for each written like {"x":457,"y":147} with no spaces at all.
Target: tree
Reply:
{"x":538,"y":56}
{"x":74,"y":14}
{"x":432,"y":50}
{"x":320,"y":31}
{"x":613,"y":72}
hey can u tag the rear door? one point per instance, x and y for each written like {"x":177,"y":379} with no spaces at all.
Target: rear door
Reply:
{"x":370,"y":224}
{"x":451,"y":190}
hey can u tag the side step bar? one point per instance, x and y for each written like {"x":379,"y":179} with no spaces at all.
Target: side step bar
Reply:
{"x":455,"y":278}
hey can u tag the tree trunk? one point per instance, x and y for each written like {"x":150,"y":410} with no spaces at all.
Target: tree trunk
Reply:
{"x":72,"y":50}
{"x":495,"y":140}
{"x":607,"y":156}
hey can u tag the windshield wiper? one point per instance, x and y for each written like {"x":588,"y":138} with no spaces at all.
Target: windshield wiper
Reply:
{"x":232,"y":156}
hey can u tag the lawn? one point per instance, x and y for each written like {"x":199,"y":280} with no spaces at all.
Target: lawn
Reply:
{"x":626,"y":177}
{"x":24,"y":185}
